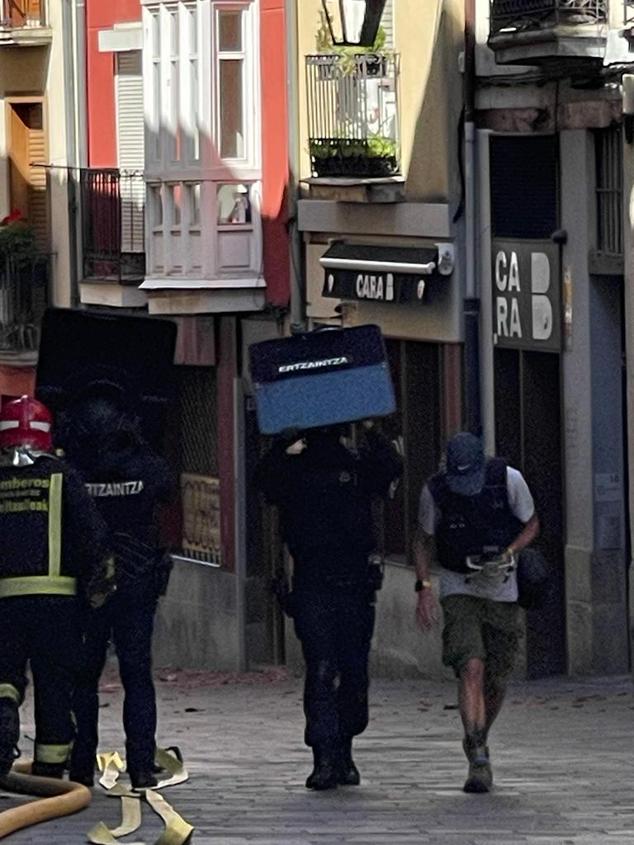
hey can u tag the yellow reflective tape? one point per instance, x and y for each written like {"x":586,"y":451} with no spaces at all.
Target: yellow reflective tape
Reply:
{"x":38,"y":585}
{"x":9,"y":691}
{"x":51,"y":753}
{"x":55,"y":525}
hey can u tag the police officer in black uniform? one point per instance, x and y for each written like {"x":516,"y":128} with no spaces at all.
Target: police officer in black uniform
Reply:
{"x":54,"y":547}
{"x":127,"y":481}
{"x":325,"y":492}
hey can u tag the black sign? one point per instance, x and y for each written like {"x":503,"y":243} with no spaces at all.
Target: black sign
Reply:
{"x":526,"y":281}
{"x":392,"y":288}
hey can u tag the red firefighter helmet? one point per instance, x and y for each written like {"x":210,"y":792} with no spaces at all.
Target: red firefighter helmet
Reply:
{"x":26,"y":422}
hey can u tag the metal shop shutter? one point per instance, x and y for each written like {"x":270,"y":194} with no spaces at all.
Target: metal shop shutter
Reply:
{"x":524,"y":186}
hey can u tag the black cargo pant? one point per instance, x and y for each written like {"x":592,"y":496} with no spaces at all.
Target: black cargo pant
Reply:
{"x":127,"y":619}
{"x":45,"y":632}
{"x":335,"y":629}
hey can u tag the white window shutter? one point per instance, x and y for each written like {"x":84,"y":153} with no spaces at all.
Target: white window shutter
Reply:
{"x":130,"y":148}
{"x":387,"y":22}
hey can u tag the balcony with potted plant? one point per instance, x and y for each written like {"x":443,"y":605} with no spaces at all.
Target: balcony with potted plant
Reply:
{"x":353,"y":121}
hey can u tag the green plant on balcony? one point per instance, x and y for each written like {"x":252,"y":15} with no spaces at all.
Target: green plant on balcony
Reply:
{"x":18,"y":246}
{"x":376,"y":156}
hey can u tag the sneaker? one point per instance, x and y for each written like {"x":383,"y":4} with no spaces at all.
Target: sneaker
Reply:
{"x":480,"y":777}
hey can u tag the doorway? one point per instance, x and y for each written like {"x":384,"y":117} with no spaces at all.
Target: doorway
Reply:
{"x":528,"y":435}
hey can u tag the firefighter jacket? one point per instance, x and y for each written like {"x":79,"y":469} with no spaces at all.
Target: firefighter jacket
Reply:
{"x":53,"y":541}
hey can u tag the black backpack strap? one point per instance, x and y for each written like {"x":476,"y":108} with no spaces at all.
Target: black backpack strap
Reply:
{"x":496,"y":472}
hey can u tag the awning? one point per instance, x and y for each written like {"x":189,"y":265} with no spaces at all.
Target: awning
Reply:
{"x":390,"y":274}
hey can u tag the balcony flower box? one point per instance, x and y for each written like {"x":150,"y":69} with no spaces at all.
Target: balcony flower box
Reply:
{"x":352,"y":158}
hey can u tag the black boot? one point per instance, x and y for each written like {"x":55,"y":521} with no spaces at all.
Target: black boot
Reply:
{"x":85,"y":776}
{"x":142,"y":779}
{"x":480,"y":777}
{"x":324,"y":773}
{"x":48,"y":770}
{"x":347,"y":774}
{"x":9,"y":734}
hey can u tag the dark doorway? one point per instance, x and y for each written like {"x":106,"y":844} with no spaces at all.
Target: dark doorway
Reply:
{"x":528,"y":435}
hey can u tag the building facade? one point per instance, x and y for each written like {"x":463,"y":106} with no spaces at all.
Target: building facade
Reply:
{"x":37,"y":148}
{"x":554,"y":263}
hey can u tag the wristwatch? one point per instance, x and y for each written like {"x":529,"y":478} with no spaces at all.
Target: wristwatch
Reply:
{"x":419,"y":586}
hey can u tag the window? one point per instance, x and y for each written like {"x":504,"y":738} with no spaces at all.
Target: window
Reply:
{"x":231,"y":62}
{"x":608,"y":147}
{"x":234,"y":205}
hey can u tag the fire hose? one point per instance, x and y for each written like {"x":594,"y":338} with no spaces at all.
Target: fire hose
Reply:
{"x":57,"y":798}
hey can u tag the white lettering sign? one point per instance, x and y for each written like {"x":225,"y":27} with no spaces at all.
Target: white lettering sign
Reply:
{"x":508,"y":315}
{"x":375,"y":287}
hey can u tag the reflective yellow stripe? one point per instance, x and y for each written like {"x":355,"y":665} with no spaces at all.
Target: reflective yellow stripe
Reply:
{"x":9,"y":691}
{"x":37,"y":585}
{"x":55,"y":525}
{"x":51,"y":753}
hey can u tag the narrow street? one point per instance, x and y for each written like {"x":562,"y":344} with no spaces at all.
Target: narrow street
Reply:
{"x":562,"y":755}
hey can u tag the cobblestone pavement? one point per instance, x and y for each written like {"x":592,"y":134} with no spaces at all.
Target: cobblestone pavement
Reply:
{"x":563,"y":754}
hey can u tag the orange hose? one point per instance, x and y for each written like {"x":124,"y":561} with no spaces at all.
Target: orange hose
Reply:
{"x":58,"y":798}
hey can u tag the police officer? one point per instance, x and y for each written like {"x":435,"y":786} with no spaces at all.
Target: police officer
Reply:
{"x":53,"y":548}
{"x":127,"y":481}
{"x":325,"y":492}
{"x":471,"y":507}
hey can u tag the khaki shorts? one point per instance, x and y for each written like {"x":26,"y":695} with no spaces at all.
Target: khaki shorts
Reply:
{"x":479,"y":628}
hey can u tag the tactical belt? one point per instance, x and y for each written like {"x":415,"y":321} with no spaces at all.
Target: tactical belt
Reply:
{"x":38,"y":585}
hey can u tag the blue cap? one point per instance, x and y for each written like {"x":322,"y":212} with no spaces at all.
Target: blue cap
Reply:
{"x":465,"y":464}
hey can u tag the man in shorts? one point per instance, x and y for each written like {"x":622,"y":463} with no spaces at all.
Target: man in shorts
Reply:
{"x":472,"y":507}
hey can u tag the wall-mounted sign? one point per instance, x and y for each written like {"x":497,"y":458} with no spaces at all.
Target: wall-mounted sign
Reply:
{"x":201,"y":517}
{"x":391,"y":275}
{"x":526,"y":295}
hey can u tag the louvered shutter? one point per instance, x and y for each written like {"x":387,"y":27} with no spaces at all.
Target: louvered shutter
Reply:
{"x":130,"y":148}
{"x":38,"y":198}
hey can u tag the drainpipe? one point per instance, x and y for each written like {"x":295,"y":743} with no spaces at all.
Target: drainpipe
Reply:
{"x":473,"y":419}
{"x":73,"y":64}
{"x":297,"y":293}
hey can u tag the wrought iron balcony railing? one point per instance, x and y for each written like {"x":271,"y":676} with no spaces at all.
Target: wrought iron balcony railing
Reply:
{"x":523,"y":15}
{"x":113,"y":220}
{"x":628,"y":13}
{"x":353,"y":124}
{"x":23,"y":299}
{"x":22,"y":13}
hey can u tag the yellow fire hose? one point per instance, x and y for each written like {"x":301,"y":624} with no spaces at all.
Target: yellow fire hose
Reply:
{"x":63,"y":798}
{"x":57,"y":798}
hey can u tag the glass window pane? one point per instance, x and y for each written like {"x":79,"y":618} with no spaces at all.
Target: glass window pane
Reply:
{"x":230,"y":31}
{"x":234,"y":205}
{"x":194,"y":204}
{"x":231,"y":130}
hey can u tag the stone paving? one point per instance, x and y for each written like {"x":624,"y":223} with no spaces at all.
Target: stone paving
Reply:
{"x":563,"y":753}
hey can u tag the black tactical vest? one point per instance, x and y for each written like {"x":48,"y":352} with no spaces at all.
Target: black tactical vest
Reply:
{"x":470,"y":523}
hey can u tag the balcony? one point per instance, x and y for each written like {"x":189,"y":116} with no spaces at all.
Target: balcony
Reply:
{"x":23,"y":23}
{"x":353,"y":125}
{"x":113,"y":236}
{"x":565,"y":34}
{"x":23,"y":299}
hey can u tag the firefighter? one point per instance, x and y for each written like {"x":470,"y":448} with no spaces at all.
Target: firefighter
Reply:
{"x":54,"y":547}
{"x":128,"y":483}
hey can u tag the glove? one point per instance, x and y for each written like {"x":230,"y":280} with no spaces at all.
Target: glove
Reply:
{"x":101,"y":584}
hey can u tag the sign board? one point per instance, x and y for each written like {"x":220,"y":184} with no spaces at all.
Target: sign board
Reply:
{"x":526,"y":295}
{"x":391,"y":288}
{"x":200,"y":495}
